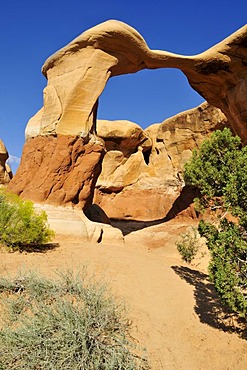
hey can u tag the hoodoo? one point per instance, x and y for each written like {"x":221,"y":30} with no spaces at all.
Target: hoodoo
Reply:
{"x":5,"y":171}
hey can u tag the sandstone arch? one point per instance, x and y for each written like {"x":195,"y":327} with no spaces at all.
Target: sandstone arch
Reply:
{"x":77,"y":75}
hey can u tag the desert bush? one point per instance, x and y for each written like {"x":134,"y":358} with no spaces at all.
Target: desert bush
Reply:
{"x":188,"y":245}
{"x":210,"y":167}
{"x":20,"y":224}
{"x":219,"y":171}
{"x":228,"y":264}
{"x":67,"y":323}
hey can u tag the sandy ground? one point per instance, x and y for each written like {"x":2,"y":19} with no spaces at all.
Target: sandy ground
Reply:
{"x":174,"y":309}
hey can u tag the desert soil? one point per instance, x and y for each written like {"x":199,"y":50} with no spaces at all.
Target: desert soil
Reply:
{"x":175,"y":312}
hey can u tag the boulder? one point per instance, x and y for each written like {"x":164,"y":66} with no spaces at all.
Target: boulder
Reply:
{"x":5,"y":171}
{"x":122,"y":134}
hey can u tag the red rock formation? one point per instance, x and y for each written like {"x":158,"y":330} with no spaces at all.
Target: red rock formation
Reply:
{"x":59,"y":167}
{"x":144,"y":182}
{"x":58,"y":170}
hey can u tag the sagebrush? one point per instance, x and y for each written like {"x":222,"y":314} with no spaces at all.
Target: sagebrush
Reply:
{"x":69,"y":322}
{"x":188,"y":245}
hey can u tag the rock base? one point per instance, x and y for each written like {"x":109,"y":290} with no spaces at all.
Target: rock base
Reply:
{"x":148,"y":204}
{"x":60,"y":170}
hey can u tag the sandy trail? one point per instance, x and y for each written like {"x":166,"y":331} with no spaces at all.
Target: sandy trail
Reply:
{"x":172,"y":305}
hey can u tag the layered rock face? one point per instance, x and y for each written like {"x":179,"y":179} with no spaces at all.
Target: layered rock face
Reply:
{"x":5,"y":171}
{"x":78,"y":73}
{"x":141,"y":174}
{"x":220,"y":76}
{"x":51,"y":170}
{"x":58,"y":170}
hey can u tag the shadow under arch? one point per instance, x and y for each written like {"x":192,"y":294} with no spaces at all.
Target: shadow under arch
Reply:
{"x":181,"y":203}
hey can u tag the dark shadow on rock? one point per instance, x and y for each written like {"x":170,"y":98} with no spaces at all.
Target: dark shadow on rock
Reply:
{"x":96,"y":214}
{"x":38,"y":248}
{"x":183,"y":201}
{"x":208,"y":305}
{"x":129,"y":226}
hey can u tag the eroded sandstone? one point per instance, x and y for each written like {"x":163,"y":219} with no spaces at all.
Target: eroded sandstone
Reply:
{"x":5,"y":171}
{"x":143,"y":183}
{"x":58,"y":170}
{"x":77,"y":75}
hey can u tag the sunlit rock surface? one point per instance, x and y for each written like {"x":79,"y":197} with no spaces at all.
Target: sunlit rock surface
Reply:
{"x":63,"y":154}
{"x":5,"y":171}
{"x":143,"y":181}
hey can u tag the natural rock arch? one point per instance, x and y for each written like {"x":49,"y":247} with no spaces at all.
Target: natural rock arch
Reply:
{"x":62,"y":156}
{"x":78,"y":73}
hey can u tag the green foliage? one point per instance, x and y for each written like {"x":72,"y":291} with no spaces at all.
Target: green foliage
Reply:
{"x":188,"y":245}
{"x":67,"y":323}
{"x":228,"y":265}
{"x":20,"y":224}
{"x":219,"y":171}
{"x":235,"y":192}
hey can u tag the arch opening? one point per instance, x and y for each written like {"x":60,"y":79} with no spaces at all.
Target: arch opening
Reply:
{"x":147,"y":97}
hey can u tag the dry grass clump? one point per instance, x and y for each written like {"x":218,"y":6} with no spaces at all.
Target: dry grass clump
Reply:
{"x":67,"y":323}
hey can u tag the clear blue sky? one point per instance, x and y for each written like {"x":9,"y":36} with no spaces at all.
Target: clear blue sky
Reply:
{"x":32,"y":30}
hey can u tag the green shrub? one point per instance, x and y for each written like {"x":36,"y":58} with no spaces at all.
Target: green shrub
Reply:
{"x":210,"y":167}
{"x":188,"y":246}
{"x":219,"y":171}
{"x":228,"y":265}
{"x":67,"y":323}
{"x":20,"y":224}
